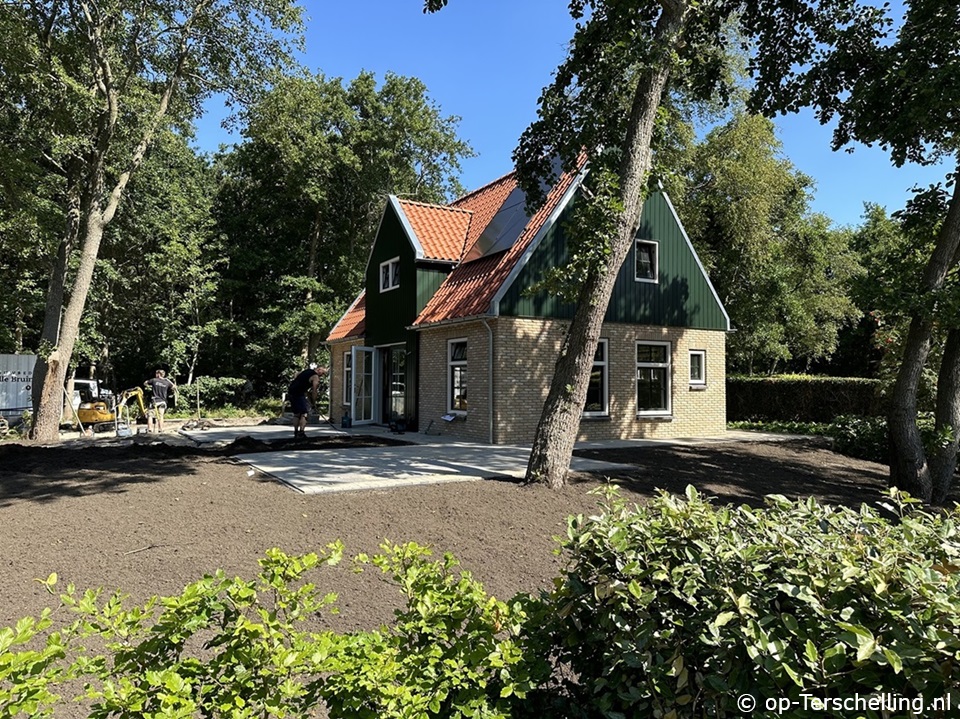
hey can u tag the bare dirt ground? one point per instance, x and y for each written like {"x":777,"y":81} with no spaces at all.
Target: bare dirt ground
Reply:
{"x":150,"y":518}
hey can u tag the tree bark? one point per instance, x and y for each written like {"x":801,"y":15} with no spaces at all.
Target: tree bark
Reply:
{"x":908,"y":462}
{"x":312,"y":340}
{"x":943,"y":458}
{"x":557,"y":429}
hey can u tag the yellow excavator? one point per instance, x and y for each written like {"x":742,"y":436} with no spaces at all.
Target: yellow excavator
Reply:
{"x":104,"y":419}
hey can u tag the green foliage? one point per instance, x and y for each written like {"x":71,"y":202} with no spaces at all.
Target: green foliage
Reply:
{"x":782,"y":272}
{"x":452,"y":651}
{"x":676,"y":608}
{"x":782,"y":427}
{"x":218,"y":392}
{"x":801,"y":398}
{"x":28,"y":675}
{"x":868,"y":438}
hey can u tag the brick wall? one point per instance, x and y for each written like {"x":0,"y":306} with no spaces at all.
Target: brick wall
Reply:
{"x":525,"y":351}
{"x":474,"y":425}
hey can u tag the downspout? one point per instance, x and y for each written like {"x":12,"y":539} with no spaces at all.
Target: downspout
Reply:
{"x":490,"y":437}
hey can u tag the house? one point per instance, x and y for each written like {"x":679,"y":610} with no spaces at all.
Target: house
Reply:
{"x":446,"y":337}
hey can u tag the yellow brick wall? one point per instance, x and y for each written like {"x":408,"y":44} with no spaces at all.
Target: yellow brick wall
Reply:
{"x":525,"y":351}
{"x":474,"y":426}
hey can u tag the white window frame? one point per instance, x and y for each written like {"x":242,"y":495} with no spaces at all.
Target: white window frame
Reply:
{"x":702,"y":354}
{"x":668,"y":412}
{"x":393,"y":270}
{"x":347,"y":377}
{"x":451,"y":363}
{"x":605,"y":374}
{"x":656,"y":261}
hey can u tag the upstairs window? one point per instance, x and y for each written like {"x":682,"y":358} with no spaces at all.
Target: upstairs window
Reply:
{"x":647,"y":261}
{"x":598,"y":402}
{"x":390,"y":274}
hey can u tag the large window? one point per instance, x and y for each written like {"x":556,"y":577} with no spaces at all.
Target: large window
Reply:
{"x":647,"y":261}
{"x":390,"y":274}
{"x":597,"y":404}
{"x":698,"y":367}
{"x":347,"y":376}
{"x":653,"y":378}
{"x":457,"y":375}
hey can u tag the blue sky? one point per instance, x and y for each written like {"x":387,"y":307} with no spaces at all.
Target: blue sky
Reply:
{"x":487,"y":61}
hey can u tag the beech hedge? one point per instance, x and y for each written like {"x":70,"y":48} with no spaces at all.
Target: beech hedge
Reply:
{"x":801,"y":398}
{"x":675,"y":609}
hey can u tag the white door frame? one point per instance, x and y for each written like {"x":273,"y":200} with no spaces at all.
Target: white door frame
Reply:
{"x":359,"y":376}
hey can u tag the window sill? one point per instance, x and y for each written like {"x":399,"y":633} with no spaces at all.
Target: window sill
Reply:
{"x":595,"y":417}
{"x":654,"y":417}
{"x":388,"y":289}
{"x":698,"y":387}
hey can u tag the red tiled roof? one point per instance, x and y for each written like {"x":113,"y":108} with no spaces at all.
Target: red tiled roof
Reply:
{"x":469,"y":289}
{"x":354,"y":321}
{"x":440,"y":230}
{"x":484,"y":204}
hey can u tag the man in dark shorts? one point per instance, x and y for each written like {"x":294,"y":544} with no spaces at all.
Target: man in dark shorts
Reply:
{"x":307,"y":382}
{"x":162,"y":388}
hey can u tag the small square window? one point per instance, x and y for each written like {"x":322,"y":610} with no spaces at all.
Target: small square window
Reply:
{"x":647,"y":268}
{"x":698,"y":367}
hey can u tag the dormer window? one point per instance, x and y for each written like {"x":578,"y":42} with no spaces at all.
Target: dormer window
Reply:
{"x":390,"y":274}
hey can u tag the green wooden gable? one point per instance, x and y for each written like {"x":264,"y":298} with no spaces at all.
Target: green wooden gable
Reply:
{"x":682,"y":297}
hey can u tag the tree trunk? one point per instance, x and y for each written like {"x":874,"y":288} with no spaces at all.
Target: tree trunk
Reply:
{"x":557,"y":430}
{"x":908,"y":463}
{"x":943,"y":458}
{"x":47,"y":417}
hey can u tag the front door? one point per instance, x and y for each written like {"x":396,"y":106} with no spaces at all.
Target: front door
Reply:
{"x":394,"y":394}
{"x":361,"y":397}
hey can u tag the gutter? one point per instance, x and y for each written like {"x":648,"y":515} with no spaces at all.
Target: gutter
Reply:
{"x":486,"y":324}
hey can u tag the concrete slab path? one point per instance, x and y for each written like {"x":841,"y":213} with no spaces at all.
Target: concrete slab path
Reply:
{"x":430,"y":459}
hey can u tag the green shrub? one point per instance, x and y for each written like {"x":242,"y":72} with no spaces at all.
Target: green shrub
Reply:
{"x":801,"y":398}
{"x":218,"y":392}
{"x":451,"y":652}
{"x":868,"y":438}
{"x":783,"y":427}
{"x":677,"y":608}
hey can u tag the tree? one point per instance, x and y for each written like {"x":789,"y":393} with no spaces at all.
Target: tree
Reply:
{"x":317,"y":160}
{"x":782,"y":273}
{"x":103,"y":78}
{"x":605,"y":100}
{"x":903,"y":94}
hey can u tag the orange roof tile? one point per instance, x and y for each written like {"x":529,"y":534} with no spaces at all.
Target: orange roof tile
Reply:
{"x":354,"y":321}
{"x":440,"y":230}
{"x":469,"y":289}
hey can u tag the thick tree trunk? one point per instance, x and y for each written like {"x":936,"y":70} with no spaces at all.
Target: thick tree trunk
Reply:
{"x":908,"y":463}
{"x":312,"y":340}
{"x":943,"y":459}
{"x":47,"y":418}
{"x":557,"y":430}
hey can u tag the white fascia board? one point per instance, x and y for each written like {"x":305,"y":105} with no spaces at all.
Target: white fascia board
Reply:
{"x":703,"y":271}
{"x":407,"y":227}
{"x":531,"y":248}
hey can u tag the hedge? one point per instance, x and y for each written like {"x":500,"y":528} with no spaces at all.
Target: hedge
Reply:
{"x":801,"y":398}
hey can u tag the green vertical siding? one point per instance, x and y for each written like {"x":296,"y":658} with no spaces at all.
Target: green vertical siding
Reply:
{"x":389,"y":313}
{"x":429,"y":279}
{"x":681,"y":298}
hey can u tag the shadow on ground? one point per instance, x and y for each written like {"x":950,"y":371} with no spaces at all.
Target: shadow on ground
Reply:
{"x":44,"y":474}
{"x":746,"y":473}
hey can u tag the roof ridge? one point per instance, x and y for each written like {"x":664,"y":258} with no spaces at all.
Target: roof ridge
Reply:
{"x":433,"y":205}
{"x":484,"y":187}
